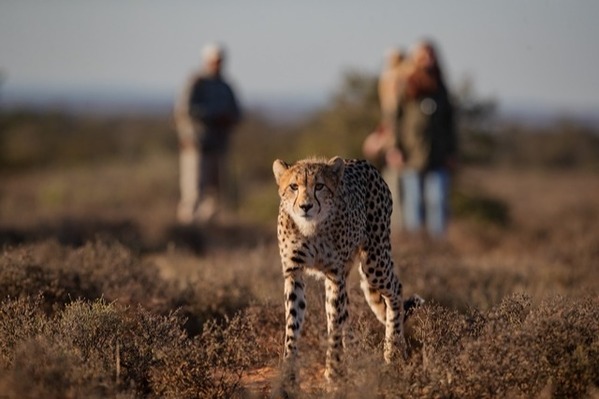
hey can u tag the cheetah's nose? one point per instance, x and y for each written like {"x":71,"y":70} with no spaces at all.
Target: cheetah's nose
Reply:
{"x":306,"y":207}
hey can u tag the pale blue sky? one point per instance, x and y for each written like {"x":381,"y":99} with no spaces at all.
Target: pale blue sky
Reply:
{"x":519,"y":51}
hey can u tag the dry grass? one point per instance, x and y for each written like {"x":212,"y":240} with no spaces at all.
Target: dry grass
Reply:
{"x":102,"y":296}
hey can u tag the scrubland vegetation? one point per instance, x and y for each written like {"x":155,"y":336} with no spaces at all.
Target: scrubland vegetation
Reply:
{"x":102,"y":295}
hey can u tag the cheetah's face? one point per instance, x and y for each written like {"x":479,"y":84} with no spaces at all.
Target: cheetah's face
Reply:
{"x":307,"y":190}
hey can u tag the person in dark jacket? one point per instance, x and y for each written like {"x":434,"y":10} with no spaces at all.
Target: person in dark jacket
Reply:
{"x":205,"y":115}
{"x":427,"y":141}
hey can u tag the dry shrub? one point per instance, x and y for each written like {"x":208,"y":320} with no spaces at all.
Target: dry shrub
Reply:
{"x":56,"y":361}
{"x":473,"y":337}
{"x":99,"y":349}
{"x":56,"y":321}
{"x":20,"y":319}
{"x":62,"y":274}
{"x":205,"y":300}
{"x":458,"y":283}
{"x":111,"y":271}
{"x":514,"y":349}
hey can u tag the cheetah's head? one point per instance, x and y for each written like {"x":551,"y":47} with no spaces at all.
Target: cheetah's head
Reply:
{"x":307,"y":190}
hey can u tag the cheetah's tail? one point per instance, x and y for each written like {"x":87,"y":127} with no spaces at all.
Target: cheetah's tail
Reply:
{"x":410,"y":304}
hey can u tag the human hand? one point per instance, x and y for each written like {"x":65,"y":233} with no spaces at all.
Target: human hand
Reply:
{"x":394,"y":158}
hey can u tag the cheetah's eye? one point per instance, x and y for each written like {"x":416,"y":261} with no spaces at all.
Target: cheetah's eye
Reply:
{"x":293,"y":187}
{"x":318,"y":186}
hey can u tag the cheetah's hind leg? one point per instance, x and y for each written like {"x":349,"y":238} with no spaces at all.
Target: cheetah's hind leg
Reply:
{"x":373,"y":296}
{"x":377,"y":303}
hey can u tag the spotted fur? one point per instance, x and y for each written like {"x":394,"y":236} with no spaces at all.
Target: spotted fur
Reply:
{"x":331,"y":214}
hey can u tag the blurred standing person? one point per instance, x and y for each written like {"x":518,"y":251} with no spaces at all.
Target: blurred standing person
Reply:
{"x":391,"y":86}
{"x":205,"y":115}
{"x":380,"y":144}
{"x":427,"y":140}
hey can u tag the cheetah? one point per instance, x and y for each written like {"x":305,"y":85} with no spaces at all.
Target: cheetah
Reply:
{"x":331,"y":214}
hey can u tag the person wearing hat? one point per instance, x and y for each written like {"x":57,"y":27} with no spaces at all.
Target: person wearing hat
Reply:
{"x":205,"y":114}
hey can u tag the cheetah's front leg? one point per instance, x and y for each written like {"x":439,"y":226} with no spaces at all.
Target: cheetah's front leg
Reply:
{"x":295,"y":307}
{"x":337,"y":314}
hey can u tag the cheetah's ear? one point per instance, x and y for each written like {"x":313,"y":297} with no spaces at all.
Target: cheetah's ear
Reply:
{"x":337,"y":165}
{"x":278,"y":168}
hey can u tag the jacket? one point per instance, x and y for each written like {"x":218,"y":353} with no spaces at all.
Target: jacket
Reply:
{"x":426,"y":133}
{"x":208,"y":110}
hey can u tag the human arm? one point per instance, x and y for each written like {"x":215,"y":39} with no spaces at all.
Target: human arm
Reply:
{"x":183,"y":119}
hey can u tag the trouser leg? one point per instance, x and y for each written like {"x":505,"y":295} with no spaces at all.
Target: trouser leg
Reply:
{"x":411,"y":187}
{"x":188,"y":184}
{"x":436,"y":192}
